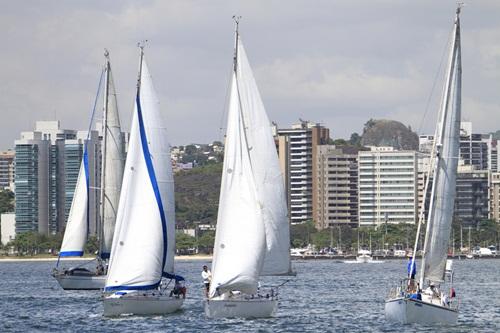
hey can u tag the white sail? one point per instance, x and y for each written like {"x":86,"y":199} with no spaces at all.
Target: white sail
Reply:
{"x":252,"y":236}
{"x":112,"y":164}
{"x":240,"y":243}
{"x":144,"y":241}
{"x":444,"y":176}
{"x":75,"y":234}
{"x":266,"y":171}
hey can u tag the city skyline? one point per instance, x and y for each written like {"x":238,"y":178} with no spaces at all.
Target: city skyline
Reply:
{"x":339,"y":63}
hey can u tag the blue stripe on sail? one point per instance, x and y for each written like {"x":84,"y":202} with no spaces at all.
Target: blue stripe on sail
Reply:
{"x":148,"y":287}
{"x":71,"y":254}
{"x":87,"y":181}
{"x":152,"y":177}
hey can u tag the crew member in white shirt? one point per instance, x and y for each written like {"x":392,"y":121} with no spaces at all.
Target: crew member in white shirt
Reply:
{"x":207,"y":278}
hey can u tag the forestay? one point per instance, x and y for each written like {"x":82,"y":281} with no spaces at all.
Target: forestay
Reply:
{"x":75,"y":235}
{"x":113,"y":164}
{"x":144,"y":242}
{"x":444,"y":181}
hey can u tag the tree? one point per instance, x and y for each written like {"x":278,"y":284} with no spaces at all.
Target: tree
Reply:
{"x":92,"y":245}
{"x":206,"y":242}
{"x":190,"y":150}
{"x":6,"y":201}
{"x":184,"y":242}
{"x":321,"y":239}
{"x":355,"y":139}
{"x":300,"y":234}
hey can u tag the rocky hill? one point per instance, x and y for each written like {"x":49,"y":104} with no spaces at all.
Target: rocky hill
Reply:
{"x":392,"y":133}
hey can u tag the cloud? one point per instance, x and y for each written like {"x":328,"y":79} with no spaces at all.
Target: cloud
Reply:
{"x":339,"y":62}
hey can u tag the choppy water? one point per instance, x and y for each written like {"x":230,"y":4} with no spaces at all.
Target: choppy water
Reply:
{"x":325,"y":296}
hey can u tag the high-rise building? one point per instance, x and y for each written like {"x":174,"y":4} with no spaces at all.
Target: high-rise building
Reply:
{"x":337,"y":188}
{"x":32,"y":183}
{"x":473,"y":149}
{"x":298,"y":147}
{"x":387,"y":186}
{"x":46,"y":167}
{"x":492,"y":149}
{"x":473,"y":197}
{"x":495,"y":196}
{"x":7,"y":169}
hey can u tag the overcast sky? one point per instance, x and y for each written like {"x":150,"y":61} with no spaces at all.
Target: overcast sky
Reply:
{"x":335,"y":62}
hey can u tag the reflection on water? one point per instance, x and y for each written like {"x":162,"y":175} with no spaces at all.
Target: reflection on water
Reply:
{"x":325,"y":296}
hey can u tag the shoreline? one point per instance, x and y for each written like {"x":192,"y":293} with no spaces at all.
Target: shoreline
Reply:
{"x":35,"y":259}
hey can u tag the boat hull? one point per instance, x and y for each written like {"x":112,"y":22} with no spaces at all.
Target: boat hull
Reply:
{"x":405,"y":311}
{"x":81,"y":282}
{"x":140,"y":304}
{"x":241,"y":308}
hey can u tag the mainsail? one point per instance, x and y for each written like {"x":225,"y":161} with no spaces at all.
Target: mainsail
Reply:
{"x":113,"y":161}
{"x":144,"y":240}
{"x":447,"y":145}
{"x":252,"y":236}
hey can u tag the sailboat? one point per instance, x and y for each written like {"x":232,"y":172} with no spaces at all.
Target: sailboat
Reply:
{"x":427,"y":301}
{"x":252,"y":235}
{"x":113,"y":160}
{"x":364,"y":256}
{"x":143,"y":247}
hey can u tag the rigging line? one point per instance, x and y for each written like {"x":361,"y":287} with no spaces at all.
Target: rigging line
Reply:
{"x":225,"y":106}
{"x":95,"y":103}
{"x":434,"y":83}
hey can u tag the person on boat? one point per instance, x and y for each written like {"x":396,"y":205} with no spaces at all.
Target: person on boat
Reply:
{"x":207,"y":278}
{"x":179,"y":289}
{"x":412,"y":269}
{"x":432,"y":290}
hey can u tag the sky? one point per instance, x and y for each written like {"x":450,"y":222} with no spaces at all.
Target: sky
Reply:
{"x":338,"y":63}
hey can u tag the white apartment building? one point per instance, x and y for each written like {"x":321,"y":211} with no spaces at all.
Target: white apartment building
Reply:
{"x":7,"y":169}
{"x":387,"y":186}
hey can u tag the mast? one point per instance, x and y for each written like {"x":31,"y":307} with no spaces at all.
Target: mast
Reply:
{"x":103,"y":152}
{"x":236,"y":38}
{"x":438,"y":160}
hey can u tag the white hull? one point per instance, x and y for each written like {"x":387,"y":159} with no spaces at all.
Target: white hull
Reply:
{"x":241,"y":308}
{"x":138,"y":303}
{"x":363,"y":260}
{"x":81,"y":282}
{"x":405,"y":311}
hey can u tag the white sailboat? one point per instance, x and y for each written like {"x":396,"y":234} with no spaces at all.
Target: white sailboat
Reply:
{"x":252,"y":237}
{"x":75,"y":236}
{"x":144,"y":241}
{"x":428,"y":301}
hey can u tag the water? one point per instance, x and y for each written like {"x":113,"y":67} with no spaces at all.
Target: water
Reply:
{"x":325,"y":296}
